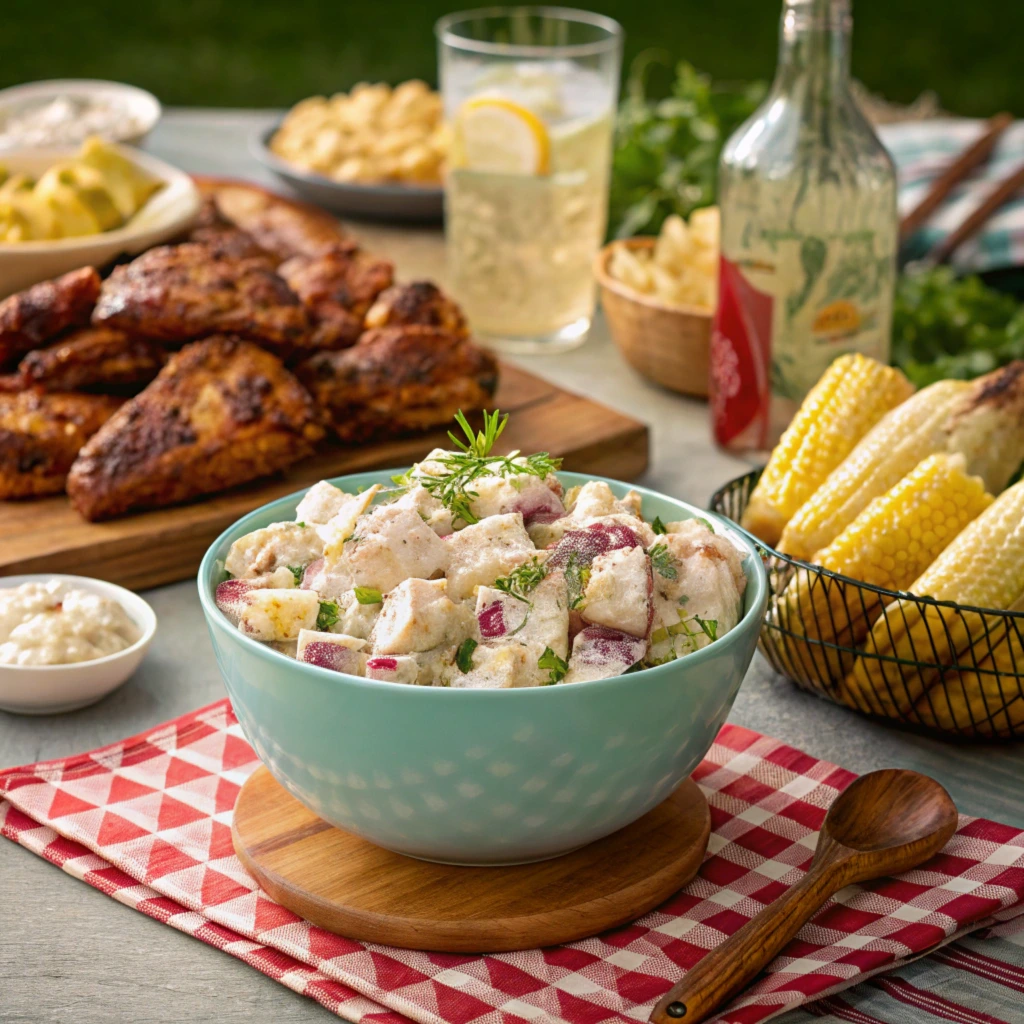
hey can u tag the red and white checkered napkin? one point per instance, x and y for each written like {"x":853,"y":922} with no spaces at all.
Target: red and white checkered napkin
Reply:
{"x":148,"y":822}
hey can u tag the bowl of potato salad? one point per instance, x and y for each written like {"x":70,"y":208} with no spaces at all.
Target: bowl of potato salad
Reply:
{"x":481,"y":659}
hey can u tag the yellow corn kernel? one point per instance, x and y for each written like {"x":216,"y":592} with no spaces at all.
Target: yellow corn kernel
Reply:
{"x":888,"y":545}
{"x":854,"y":393}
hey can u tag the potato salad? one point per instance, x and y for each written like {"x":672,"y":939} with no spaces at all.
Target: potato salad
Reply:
{"x":478,"y":570}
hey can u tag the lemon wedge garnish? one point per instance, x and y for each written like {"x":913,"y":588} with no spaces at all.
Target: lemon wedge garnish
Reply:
{"x":499,"y":136}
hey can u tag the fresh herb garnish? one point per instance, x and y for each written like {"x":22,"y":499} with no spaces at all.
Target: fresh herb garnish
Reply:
{"x":327,"y":616}
{"x":521,"y":580}
{"x":301,"y":525}
{"x":664,"y":562}
{"x":554,"y":665}
{"x":577,"y":576}
{"x":658,"y":526}
{"x":464,"y":655}
{"x":368,"y":595}
{"x":707,"y":524}
{"x":298,"y":571}
{"x":453,"y":484}
{"x":710,"y":626}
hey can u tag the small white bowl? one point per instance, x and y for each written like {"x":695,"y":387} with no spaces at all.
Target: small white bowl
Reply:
{"x":143,"y":107}
{"x":167,"y":214}
{"x":51,"y":689}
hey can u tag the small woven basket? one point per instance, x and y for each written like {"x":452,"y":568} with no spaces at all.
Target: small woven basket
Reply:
{"x":965,"y":676}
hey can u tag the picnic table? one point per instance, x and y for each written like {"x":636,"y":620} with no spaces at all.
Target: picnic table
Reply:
{"x":69,"y":953}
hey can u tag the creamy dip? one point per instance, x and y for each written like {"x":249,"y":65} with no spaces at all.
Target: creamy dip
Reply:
{"x":54,"y":624}
{"x":67,"y":120}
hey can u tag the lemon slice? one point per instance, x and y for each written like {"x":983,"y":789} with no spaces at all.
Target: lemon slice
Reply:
{"x":499,"y":136}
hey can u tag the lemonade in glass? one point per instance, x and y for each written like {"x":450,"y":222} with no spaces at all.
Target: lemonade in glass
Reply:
{"x":530,"y":94}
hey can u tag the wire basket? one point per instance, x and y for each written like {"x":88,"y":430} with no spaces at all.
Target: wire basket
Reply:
{"x":933,"y":665}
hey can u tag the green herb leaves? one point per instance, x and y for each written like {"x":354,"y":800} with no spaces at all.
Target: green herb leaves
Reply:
{"x":658,"y":526}
{"x":297,"y":571}
{"x":327,"y":616}
{"x":464,"y":655}
{"x":709,"y":627}
{"x":664,"y":562}
{"x":521,"y":580}
{"x":555,"y":666}
{"x":368,"y":595}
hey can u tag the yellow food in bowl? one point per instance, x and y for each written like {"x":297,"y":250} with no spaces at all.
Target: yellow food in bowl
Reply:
{"x":372,"y":134}
{"x":99,"y":189}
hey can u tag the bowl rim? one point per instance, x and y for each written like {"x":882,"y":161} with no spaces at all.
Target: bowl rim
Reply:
{"x":179,"y":195}
{"x":127,"y":599}
{"x":623,"y":291}
{"x":137,"y":98}
{"x":260,"y":149}
{"x":750,"y":620}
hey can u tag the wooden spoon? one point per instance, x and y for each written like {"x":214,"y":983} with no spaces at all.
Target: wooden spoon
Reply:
{"x":885,"y":823}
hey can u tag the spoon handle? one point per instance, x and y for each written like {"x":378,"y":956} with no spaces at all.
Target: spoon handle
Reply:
{"x":731,"y":966}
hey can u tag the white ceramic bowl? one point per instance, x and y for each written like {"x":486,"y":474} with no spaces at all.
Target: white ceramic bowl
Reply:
{"x":49,"y":689}
{"x":167,"y":214}
{"x":143,"y":107}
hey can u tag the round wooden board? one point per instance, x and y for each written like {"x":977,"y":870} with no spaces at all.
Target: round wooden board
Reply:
{"x":349,"y":886}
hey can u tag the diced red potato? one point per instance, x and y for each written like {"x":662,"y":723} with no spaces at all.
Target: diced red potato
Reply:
{"x":273,"y":547}
{"x":342,"y":525}
{"x":388,"y":668}
{"x":419,"y":500}
{"x":499,"y":668}
{"x":541,"y":621}
{"x":597,"y":538}
{"x":320,"y":504}
{"x":274,"y":614}
{"x":230,"y":595}
{"x":417,"y":616}
{"x":599,"y":652}
{"x":479,"y":554}
{"x":591,"y":503}
{"x":619,"y":591}
{"x":332,"y":650}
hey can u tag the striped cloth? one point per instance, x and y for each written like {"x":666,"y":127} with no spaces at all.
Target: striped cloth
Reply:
{"x":922,"y":150}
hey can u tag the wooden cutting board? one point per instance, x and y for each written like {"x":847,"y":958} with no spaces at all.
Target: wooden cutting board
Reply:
{"x":349,"y":886}
{"x":153,"y":548}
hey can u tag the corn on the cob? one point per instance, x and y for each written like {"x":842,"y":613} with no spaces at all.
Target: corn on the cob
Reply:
{"x":888,"y":545}
{"x":982,"y":420}
{"x":854,"y":393}
{"x":908,"y":647}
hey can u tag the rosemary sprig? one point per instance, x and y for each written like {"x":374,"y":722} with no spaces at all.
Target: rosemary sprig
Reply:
{"x":522,"y":579}
{"x":664,"y":562}
{"x":554,"y":665}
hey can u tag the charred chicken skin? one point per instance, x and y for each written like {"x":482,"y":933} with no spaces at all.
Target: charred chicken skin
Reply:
{"x":345,"y":277}
{"x":31,"y":318}
{"x":399,"y":380}
{"x":93,"y":358}
{"x":220,"y":413}
{"x":40,"y":435}
{"x":419,"y":302}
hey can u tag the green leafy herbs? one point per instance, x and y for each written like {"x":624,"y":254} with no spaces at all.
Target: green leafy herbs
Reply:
{"x":464,"y":655}
{"x":327,"y":616}
{"x":301,"y":525}
{"x":555,"y":666}
{"x":452,"y":484}
{"x":521,"y":580}
{"x":577,"y":576}
{"x":944,"y":326}
{"x":701,"y":519}
{"x":669,"y":136}
{"x":664,"y":562}
{"x":368,"y":595}
{"x":658,"y":526}
{"x":686,"y":627}
{"x":298,"y":571}
{"x":709,"y":626}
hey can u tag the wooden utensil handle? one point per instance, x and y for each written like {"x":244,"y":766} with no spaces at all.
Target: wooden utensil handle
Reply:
{"x":736,"y":962}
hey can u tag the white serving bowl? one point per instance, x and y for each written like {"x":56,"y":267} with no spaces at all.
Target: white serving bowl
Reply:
{"x":143,"y":107}
{"x":167,"y":214}
{"x":50,"y":689}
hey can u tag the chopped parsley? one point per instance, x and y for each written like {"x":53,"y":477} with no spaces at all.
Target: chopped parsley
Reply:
{"x":464,"y":655}
{"x":298,"y":571}
{"x":664,"y":562}
{"x":554,"y":665}
{"x":301,"y":525}
{"x":453,"y":484}
{"x":328,"y":616}
{"x":577,"y":576}
{"x":710,"y":626}
{"x":368,"y":595}
{"x":658,"y":526}
{"x":701,"y":519}
{"x":521,"y":580}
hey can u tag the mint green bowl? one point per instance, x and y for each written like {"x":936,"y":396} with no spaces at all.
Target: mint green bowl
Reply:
{"x":481,"y":776}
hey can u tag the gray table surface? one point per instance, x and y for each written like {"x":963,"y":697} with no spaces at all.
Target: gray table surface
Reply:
{"x":68,"y":952}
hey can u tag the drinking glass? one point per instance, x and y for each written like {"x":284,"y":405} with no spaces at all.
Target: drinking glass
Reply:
{"x":530,"y":94}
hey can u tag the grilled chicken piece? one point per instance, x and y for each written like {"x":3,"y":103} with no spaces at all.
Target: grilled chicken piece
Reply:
{"x":346,"y":277}
{"x":225,"y":242}
{"x":419,"y":302}
{"x":221,"y":412}
{"x":93,"y":358}
{"x":281,"y":226}
{"x":31,"y":318}
{"x":40,"y":435}
{"x":399,"y":380}
{"x":175,"y":293}
{"x":11,"y":383}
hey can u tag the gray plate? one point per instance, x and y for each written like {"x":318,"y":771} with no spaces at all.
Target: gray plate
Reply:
{"x":405,"y":203}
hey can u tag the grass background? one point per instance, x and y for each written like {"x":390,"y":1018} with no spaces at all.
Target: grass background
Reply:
{"x":269,"y":53}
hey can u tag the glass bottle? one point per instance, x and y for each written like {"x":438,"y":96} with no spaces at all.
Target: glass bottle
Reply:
{"x":809,"y":235}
